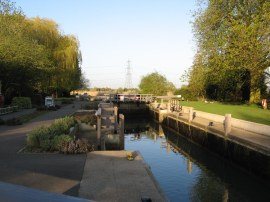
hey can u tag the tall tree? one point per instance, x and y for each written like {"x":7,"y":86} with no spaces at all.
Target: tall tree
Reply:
{"x":233,"y":40}
{"x":35,"y":55}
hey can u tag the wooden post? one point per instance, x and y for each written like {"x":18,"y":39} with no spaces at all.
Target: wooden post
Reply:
{"x":227,"y":124}
{"x":98,"y":129}
{"x":155,"y":104}
{"x":122,"y":131}
{"x":169,"y":107}
{"x":115,"y":119}
{"x":190,"y":118}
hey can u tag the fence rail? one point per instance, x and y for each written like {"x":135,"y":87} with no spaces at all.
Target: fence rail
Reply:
{"x":7,"y":110}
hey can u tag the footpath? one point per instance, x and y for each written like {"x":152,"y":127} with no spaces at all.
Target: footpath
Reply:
{"x":48,"y":172}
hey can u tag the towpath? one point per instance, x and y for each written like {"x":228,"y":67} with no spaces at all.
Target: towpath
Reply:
{"x":51,"y":172}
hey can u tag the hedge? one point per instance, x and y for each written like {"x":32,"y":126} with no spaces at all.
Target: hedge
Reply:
{"x":22,"y":102}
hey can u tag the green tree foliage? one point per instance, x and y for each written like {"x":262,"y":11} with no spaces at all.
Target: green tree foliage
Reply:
{"x":35,"y":55}
{"x":156,"y":84}
{"x":233,"y":49}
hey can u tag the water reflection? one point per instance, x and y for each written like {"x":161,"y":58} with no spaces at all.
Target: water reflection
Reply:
{"x":188,"y":172}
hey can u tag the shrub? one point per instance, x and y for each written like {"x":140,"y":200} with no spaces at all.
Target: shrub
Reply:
{"x":22,"y":102}
{"x":38,"y":136}
{"x":59,"y":142}
{"x":89,"y":119}
{"x":62,"y":126}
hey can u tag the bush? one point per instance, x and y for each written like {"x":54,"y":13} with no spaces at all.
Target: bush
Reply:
{"x":59,"y":142}
{"x":37,"y":137}
{"x":22,"y":102}
{"x":62,"y":126}
{"x":89,"y":119}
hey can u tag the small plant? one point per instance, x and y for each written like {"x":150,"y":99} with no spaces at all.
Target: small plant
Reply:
{"x":76,"y":147}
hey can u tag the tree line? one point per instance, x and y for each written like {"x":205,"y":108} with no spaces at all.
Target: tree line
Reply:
{"x":35,"y":56}
{"x":233,"y":50}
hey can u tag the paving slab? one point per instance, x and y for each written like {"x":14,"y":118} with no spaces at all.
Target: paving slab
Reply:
{"x":109,"y":176}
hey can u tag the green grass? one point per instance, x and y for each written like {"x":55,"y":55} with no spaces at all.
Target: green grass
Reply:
{"x":246,"y":112}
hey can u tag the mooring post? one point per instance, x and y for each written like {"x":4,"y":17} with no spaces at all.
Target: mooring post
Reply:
{"x":122,"y":131}
{"x":227,"y":124}
{"x":190,"y":117}
{"x":115,"y":119}
{"x":98,"y":129}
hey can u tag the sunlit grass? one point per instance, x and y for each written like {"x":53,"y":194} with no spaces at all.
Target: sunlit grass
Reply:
{"x":246,"y":112}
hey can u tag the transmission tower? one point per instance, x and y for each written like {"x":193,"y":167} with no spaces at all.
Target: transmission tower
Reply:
{"x":128,"y":83}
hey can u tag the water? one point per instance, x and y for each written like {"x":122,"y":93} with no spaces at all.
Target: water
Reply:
{"x":188,"y":172}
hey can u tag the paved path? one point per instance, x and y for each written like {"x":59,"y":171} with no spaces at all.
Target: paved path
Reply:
{"x":51,"y":172}
{"x":110,"y":177}
{"x":17,"y":114}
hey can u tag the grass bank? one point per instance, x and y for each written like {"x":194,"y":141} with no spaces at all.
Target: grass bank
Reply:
{"x":246,"y":112}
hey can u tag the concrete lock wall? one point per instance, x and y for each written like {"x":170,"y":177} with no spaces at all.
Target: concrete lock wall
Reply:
{"x":249,"y":158}
{"x":237,"y":123}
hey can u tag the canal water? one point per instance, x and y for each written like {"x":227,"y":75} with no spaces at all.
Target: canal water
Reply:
{"x":186,"y":171}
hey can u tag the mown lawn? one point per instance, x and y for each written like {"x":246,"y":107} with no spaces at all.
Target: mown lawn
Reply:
{"x":252,"y":113}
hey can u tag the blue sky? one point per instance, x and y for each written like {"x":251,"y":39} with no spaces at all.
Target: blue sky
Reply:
{"x":155,"y":35}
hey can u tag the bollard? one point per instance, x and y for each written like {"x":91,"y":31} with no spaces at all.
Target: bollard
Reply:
{"x":122,"y":131}
{"x":168,"y":107}
{"x":98,"y":129}
{"x":190,"y":117}
{"x":155,"y":104}
{"x":115,"y":119}
{"x":227,"y":124}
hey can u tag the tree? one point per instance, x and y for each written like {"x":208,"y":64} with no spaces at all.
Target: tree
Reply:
{"x":35,"y":56}
{"x":156,"y":84}
{"x":233,"y":43}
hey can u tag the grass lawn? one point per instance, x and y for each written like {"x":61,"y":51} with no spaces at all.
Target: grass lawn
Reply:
{"x":252,"y":113}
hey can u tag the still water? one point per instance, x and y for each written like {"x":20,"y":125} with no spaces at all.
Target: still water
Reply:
{"x":187,"y":172}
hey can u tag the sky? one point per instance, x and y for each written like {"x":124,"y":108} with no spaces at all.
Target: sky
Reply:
{"x":154,"y":35}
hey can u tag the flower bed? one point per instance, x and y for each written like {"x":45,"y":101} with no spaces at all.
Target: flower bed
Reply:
{"x":57,"y":137}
